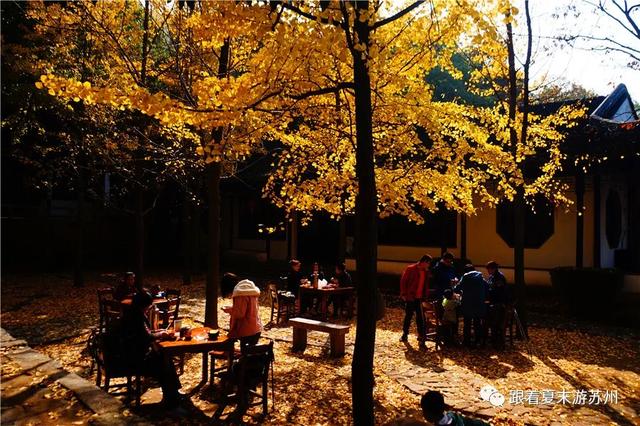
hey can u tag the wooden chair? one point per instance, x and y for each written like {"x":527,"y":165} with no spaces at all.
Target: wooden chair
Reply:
{"x":225,"y":357}
{"x":281,"y":306}
{"x":248,"y":373}
{"x":431,"y":315}
{"x":168,"y":312}
{"x":110,"y":310}
{"x":112,"y":364}
{"x":104,"y":294}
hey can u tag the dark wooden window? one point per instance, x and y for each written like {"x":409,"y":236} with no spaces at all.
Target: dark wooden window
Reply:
{"x":439,"y":229}
{"x":539,"y":223}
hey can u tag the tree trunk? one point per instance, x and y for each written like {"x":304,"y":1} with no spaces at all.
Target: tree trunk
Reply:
{"x":213,"y":173}
{"x":519,"y":212}
{"x":78,"y":264}
{"x":213,"y":258}
{"x":519,"y":201}
{"x":139,"y":255}
{"x":366,"y":234}
{"x":140,"y":156}
{"x":187,"y":243}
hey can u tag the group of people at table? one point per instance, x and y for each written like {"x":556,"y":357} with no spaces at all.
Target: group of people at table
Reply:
{"x":482,"y":302}
{"x":296,"y":279}
{"x":142,"y":343}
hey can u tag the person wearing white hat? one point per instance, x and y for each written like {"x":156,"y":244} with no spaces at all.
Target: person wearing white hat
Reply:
{"x":244,"y":315}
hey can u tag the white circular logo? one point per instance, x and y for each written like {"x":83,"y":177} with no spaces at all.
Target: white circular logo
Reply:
{"x":491,"y":394}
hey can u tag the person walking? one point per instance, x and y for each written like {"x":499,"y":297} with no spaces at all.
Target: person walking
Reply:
{"x":414,"y":287}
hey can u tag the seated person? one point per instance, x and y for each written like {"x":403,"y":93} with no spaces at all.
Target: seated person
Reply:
{"x":341,"y":278}
{"x":139,"y":341}
{"x":450,"y":305}
{"x":244,"y":315}
{"x":126,"y":288}
{"x":294,"y":277}
{"x":433,"y":409}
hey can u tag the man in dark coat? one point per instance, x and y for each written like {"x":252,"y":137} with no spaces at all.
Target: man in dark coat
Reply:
{"x":499,"y":299}
{"x":139,"y":342}
{"x":443,"y":275}
{"x":474,"y":290}
{"x":414,"y":288}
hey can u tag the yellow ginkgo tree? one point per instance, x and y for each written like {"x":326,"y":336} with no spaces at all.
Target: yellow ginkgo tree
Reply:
{"x":204,"y":70}
{"x":368,"y":138}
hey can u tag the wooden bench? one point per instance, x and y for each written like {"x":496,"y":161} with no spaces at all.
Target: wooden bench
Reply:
{"x":336,"y":334}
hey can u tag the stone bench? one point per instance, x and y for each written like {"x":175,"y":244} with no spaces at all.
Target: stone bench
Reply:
{"x":336,"y":334}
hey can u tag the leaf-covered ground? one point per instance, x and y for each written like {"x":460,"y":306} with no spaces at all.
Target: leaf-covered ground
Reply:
{"x":312,"y":388}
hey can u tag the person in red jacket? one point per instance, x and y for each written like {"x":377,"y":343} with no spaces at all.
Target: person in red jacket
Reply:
{"x":414,"y":287}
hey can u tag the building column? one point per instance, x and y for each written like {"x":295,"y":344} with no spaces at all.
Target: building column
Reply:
{"x":292,"y":237}
{"x":463,"y":236}
{"x":597,"y":213}
{"x":579,"y":187}
{"x":342,"y":239}
{"x":634,"y":224}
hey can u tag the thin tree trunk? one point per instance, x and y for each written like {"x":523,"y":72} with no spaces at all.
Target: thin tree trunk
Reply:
{"x":366,"y":234}
{"x":187,"y":243}
{"x":518,"y":255}
{"x":518,"y":202}
{"x":78,"y":265}
{"x":139,"y":255}
{"x":213,"y":259}
{"x":139,"y":213}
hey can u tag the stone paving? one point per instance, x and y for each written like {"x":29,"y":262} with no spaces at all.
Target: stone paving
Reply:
{"x":37,"y":390}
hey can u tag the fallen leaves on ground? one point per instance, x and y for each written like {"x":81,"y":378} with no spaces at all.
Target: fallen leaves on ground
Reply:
{"x":312,"y":388}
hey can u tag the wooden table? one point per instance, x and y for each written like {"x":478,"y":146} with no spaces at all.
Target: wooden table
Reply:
{"x":323,"y":295}
{"x":199,"y":343}
{"x":156,"y":301}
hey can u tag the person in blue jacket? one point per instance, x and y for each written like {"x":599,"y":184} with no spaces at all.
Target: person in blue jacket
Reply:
{"x":475,"y":291}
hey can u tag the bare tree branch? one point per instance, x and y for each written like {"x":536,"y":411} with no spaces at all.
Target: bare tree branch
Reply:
{"x":398,"y":15}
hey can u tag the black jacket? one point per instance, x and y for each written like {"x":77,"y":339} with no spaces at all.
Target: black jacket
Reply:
{"x":136,"y":335}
